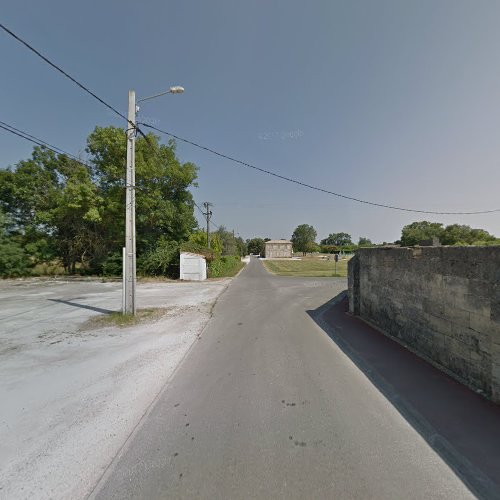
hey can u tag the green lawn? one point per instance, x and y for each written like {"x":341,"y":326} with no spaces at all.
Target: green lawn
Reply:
{"x":235,"y":270}
{"x":307,"y":266}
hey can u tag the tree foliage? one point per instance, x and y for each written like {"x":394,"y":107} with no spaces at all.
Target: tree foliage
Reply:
{"x":216,"y":244}
{"x":14,"y":261}
{"x":414,"y":233}
{"x":231,"y":244}
{"x":453,"y":234}
{"x":256,"y":246}
{"x":329,"y":249}
{"x":163,"y":259}
{"x":199,"y":237}
{"x":364,"y":242}
{"x":338,"y":239}
{"x":303,"y":238}
{"x":62,"y":209}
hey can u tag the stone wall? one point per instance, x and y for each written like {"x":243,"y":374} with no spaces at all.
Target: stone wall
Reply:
{"x":442,"y":302}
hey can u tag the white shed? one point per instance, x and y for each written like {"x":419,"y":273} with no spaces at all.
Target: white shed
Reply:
{"x":193,"y":267}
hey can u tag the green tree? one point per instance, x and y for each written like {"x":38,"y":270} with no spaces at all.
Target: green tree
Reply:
{"x":14,"y":261}
{"x":414,"y":233}
{"x":338,"y":239}
{"x":481,"y":235}
{"x":76,"y":219}
{"x":228,"y":239}
{"x":61,"y":208}
{"x":256,"y":246}
{"x":30,"y":190}
{"x":163,"y":260}
{"x":364,"y":242}
{"x":242,"y":246}
{"x":329,"y":249}
{"x":455,"y":234}
{"x":52,"y":200}
{"x":164,"y":202}
{"x":216,"y":244}
{"x":303,"y":238}
{"x":199,"y":238}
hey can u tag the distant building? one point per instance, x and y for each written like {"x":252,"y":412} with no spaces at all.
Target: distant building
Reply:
{"x":276,"y":249}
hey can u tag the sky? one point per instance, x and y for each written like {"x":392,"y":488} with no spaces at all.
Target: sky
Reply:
{"x":391,"y":101}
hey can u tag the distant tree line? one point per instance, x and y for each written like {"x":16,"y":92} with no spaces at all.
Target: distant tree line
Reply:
{"x":304,"y":238}
{"x":304,"y":241}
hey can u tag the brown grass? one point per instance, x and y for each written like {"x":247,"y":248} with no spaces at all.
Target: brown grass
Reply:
{"x":125,"y":320}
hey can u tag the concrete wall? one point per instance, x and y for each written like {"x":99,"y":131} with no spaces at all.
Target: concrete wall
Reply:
{"x":442,"y":302}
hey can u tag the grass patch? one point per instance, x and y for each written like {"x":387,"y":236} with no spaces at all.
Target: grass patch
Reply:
{"x":124,"y":320}
{"x":235,"y":269}
{"x":312,"y":267}
{"x":226,"y":266}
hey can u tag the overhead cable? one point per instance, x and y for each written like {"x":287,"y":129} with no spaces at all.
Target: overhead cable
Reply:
{"x":39,"y":142}
{"x":74,"y":80}
{"x":310,"y":186}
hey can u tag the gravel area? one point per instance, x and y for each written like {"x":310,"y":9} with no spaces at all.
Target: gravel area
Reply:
{"x":70,"y":396}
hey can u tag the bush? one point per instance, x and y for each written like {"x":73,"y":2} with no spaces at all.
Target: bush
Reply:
{"x":162,"y":261}
{"x":53,"y":268}
{"x":329,"y":249}
{"x":14,"y":261}
{"x":113,"y":265}
{"x":225,"y":266}
{"x":193,"y":247}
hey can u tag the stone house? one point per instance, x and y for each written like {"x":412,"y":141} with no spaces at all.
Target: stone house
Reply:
{"x":276,"y":249}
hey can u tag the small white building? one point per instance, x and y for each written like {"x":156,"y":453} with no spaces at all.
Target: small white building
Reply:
{"x":193,"y":267}
{"x":278,"y":249}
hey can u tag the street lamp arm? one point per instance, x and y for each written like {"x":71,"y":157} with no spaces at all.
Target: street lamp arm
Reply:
{"x":171,"y":90}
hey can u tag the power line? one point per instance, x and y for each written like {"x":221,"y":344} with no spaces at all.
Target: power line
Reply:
{"x":56,"y":67}
{"x":36,"y":140}
{"x":204,"y":215}
{"x":197,"y":206}
{"x":74,"y":80}
{"x":44,"y":144}
{"x":316,"y":188}
{"x":55,"y":149}
{"x":222,"y":155}
{"x":40,"y":142}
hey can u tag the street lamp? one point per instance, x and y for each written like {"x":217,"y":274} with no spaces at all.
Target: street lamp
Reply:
{"x":129,"y":256}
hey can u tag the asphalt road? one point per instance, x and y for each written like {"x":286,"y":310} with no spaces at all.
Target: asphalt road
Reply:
{"x":266,"y":405}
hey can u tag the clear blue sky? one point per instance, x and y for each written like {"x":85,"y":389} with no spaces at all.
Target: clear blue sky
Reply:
{"x":395,"y":101}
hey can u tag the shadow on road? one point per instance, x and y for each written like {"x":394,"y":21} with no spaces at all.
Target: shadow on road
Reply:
{"x":83,"y":306}
{"x":460,"y":425}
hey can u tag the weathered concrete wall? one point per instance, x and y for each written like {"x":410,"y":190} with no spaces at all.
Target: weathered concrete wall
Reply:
{"x":443,"y":302}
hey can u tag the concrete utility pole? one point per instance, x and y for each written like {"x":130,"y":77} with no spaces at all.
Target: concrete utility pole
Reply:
{"x":129,"y":266}
{"x":208,"y":216}
{"x":129,"y":254}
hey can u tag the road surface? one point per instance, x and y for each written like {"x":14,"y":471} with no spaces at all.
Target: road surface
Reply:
{"x":266,"y":405}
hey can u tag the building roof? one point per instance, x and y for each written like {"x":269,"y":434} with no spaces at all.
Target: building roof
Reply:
{"x":279,"y":241}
